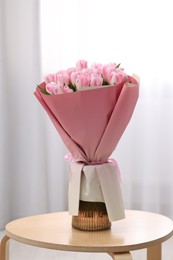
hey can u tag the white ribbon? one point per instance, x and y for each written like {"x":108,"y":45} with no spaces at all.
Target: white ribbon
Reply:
{"x":99,"y":183}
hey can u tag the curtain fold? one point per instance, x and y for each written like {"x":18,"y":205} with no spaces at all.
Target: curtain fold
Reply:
{"x":26,"y":183}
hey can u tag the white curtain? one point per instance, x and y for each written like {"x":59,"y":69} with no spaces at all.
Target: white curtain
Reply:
{"x":32,"y":173}
{"x":37,"y":38}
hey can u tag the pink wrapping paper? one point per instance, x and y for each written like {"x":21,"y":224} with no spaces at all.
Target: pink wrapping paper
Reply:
{"x":91,"y":122}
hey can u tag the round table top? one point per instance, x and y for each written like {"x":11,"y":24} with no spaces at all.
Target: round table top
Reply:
{"x":138,"y":230}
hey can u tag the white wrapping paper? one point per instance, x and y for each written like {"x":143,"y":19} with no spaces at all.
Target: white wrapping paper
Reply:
{"x":99,"y":183}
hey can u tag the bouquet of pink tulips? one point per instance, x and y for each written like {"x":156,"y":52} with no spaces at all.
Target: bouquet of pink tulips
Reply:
{"x":91,"y":117}
{"x":75,"y":79}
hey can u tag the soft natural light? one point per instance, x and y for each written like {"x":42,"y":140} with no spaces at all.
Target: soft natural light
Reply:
{"x":40,"y":37}
{"x":135,"y":33}
{"x":138,"y":35}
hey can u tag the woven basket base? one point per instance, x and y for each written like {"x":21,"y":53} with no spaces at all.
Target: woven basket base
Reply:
{"x":92,"y":217}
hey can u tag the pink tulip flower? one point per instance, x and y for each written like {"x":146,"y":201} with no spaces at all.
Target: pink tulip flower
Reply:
{"x":66,"y":89}
{"x":96,"y":81}
{"x":83,"y":81}
{"x":62,"y":77}
{"x":70,"y":71}
{"x":86,"y":72}
{"x":53,"y":88}
{"x":97,"y":67}
{"x":74,"y":76}
{"x":81,"y":64}
{"x":107,"y":70}
{"x":117,"y":76}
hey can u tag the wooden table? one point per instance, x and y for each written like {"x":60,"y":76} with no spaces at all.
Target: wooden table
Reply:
{"x":137,"y":231}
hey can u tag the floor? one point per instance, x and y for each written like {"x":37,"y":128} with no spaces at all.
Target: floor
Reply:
{"x":20,"y":251}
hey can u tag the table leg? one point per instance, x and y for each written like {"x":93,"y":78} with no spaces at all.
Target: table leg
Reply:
{"x":4,"y":248}
{"x":154,"y":253}
{"x":121,"y":256}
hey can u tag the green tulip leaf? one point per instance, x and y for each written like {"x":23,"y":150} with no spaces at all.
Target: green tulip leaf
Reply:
{"x":43,"y":91}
